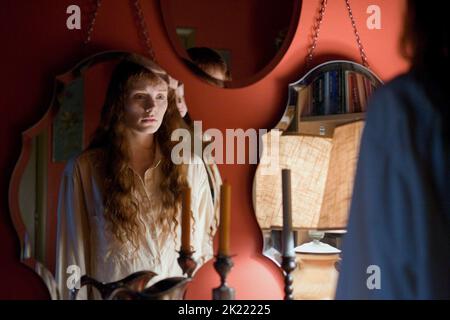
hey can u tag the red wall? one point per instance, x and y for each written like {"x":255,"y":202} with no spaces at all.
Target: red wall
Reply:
{"x":246,"y":28}
{"x":37,"y":46}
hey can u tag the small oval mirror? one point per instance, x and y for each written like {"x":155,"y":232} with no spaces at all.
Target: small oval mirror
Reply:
{"x":230,"y":43}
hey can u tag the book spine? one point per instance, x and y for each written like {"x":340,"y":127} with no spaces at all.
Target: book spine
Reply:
{"x":334,"y":92}
{"x":326,"y":93}
{"x":303,"y":101}
{"x":348,"y":93}
{"x":361,"y":92}
{"x":322,"y":95}
{"x":342,"y":91}
{"x":318,"y":96}
{"x":355,"y":92}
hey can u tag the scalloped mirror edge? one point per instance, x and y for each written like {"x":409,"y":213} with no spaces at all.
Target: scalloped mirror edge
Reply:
{"x":285,"y":127}
{"x":27,"y":136}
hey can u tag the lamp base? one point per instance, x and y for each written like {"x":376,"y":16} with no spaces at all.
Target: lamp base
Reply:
{"x":316,"y":246}
{"x":316,"y":276}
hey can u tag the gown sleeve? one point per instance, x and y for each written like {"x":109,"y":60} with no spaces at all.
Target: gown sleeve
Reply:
{"x":205,"y":223}
{"x":72,"y":256}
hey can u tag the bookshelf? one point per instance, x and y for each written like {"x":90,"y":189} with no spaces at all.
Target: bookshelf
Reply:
{"x":332,"y":94}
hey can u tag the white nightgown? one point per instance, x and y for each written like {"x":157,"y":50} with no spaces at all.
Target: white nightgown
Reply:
{"x":84,"y":240}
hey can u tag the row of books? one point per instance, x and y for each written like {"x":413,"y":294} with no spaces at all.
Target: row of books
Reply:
{"x":334,"y":92}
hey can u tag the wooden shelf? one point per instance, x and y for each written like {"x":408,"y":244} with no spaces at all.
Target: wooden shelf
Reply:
{"x":324,"y":125}
{"x":335,"y":117}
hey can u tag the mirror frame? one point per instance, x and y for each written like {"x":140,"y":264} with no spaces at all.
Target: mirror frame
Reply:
{"x":287,"y":126}
{"x":61,"y":81}
{"x":234,"y":84}
{"x":60,"y":84}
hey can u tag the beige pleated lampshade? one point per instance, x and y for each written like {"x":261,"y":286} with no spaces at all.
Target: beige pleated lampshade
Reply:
{"x":322,"y":176}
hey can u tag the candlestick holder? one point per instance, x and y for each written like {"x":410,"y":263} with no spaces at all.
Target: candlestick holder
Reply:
{"x":186,"y":262}
{"x":223,"y":265}
{"x":288,"y":264}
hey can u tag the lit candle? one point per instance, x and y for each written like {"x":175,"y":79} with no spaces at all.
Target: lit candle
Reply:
{"x":288,"y":237}
{"x":186,"y":221}
{"x":225,"y":217}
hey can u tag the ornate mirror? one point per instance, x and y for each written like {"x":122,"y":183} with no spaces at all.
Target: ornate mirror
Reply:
{"x":249,"y":37}
{"x":318,"y":140}
{"x":62,"y":134}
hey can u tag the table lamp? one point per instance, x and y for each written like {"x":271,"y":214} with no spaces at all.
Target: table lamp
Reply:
{"x":322,"y":176}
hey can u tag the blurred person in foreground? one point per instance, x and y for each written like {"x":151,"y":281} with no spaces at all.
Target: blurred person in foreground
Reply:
{"x":398,"y":240}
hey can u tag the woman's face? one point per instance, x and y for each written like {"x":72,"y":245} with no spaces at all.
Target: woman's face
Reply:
{"x":181,"y":103}
{"x":145,"y":105}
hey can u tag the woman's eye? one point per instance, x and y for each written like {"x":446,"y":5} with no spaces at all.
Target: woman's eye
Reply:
{"x":139,"y":96}
{"x":160,"y":97}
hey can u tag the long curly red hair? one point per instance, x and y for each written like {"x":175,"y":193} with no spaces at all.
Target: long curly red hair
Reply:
{"x":121,"y":208}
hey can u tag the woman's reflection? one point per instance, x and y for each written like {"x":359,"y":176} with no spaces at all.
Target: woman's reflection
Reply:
{"x":119,"y":203}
